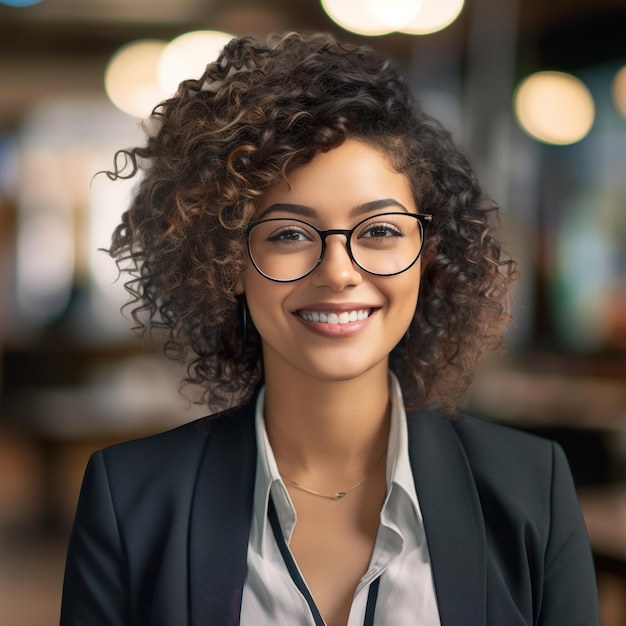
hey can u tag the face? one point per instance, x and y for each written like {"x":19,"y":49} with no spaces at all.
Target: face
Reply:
{"x":336,"y":190}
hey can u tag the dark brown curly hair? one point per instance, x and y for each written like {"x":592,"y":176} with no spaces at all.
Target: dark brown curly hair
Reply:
{"x":262,"y":109}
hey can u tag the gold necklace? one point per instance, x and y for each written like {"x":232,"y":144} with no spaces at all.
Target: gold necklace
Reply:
{"x":338,"y":494}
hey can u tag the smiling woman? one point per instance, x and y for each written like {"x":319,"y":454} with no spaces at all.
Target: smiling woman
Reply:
{"x":321,"y":252}
{"x":244,"y":127}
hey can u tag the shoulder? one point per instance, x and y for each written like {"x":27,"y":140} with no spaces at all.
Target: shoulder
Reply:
{"x":518,"y":462}
{"x":518,"y":469}
{"x":492,"y":443}
{"x":174,"y":444}
{"x":166,"y":461}
{"x":483,"y":442}
{"x":182,"y":440}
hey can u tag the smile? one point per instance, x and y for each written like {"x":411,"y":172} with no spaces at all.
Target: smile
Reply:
{"x":344,"y":317}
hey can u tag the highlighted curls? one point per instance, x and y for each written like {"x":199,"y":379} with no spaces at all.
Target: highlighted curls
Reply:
{"x":261,"y":110}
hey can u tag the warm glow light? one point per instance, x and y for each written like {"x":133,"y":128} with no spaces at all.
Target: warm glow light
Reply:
{"x":433,"y":16}
{"x":554,"y":107}
{"x":353,"y":15}
{"x":188,"y":55}
{"x":393,"y":13}
{"x":619,"y":91}
{"x":131,"y":77}
{"x":380,"y":17}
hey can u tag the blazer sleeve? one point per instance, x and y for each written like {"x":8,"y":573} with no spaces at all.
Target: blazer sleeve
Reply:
{"x":96,"y":579}
{"x":569,"y":589}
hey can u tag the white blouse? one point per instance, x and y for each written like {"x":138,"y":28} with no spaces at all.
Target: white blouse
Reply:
{"x":400,"y":556}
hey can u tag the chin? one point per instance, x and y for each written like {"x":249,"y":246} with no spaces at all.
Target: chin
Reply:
{"x":342,"y":371}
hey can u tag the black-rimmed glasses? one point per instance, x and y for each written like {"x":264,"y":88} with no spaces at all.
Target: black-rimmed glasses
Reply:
{"x":288,"y":249}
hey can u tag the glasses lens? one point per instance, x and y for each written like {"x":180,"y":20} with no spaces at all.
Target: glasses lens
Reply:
{"x":288,"y":249}
{"x":387,"y":244}
{"x":284,"y":249}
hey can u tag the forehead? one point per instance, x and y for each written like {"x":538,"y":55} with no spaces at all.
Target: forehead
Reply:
{"x":352,"y":174}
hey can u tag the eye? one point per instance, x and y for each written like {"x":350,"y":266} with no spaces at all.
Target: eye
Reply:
{"x":380,"y":231}
{"x":289,"y":234}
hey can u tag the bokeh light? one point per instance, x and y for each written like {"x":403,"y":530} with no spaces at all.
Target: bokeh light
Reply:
{"x":188,"y":55}
{"x":618,"y":89}
{"x":381,"y":17}
{"x":393,"y":13}
{"x":355,"y":17}
{"x":45,"y":259}
{"x":554,"y":107}
{"x":131,"y":77}
{"x":19,"y":3}
{"x":433,"y":16}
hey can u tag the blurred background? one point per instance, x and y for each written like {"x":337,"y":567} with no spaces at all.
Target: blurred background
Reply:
{"x":534,"y":91}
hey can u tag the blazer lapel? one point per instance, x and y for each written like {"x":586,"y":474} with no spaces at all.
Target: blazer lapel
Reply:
{"x":453,"y":519}
{"x":220,"y":519}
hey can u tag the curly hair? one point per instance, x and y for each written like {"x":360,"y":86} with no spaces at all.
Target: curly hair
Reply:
{"x":261,"y":110}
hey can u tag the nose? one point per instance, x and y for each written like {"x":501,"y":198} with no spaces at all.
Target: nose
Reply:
{"x":336,"y":270}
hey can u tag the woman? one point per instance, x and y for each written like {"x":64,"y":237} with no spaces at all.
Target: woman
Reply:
{"x":325,"y":254}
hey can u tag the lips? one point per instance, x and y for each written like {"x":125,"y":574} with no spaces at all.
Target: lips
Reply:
{"x":332,"y":317}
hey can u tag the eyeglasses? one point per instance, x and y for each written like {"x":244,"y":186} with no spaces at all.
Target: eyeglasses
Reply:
{"x":285,"y":250}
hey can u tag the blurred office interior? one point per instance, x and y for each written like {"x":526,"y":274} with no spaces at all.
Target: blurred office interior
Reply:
{"x":74,"y":378}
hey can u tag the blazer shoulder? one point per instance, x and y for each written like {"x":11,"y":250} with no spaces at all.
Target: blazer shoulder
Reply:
{"x":484,"y":442}
{"x":479,"y":435}
{"x":515,"y":467}
{"x":176,"y":443}
{"x":165,"y":461}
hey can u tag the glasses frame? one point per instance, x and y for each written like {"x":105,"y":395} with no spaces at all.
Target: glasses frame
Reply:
{"x":423,"y":218}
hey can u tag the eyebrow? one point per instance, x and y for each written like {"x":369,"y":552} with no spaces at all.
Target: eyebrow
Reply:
{"x":360,"y":209}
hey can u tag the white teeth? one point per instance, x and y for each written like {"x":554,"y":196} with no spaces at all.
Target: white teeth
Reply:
{"x":335,"y":318}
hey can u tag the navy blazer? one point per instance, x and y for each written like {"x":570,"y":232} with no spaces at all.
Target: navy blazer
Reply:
{"x":161,"y":531}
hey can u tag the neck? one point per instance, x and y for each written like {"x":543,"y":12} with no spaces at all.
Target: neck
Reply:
{"x":328,"y":426}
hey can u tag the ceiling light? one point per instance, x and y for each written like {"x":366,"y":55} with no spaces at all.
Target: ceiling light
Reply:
{"x":554,"y":107}
{"x":392,"y":13}
{"x":131,"y":78}
{"x":433,"y":16}
{"x":355,"y":16}
{"x":188,"y":55}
